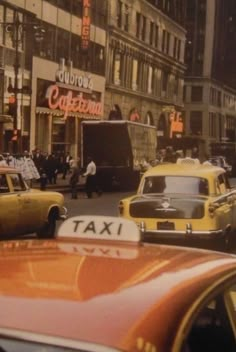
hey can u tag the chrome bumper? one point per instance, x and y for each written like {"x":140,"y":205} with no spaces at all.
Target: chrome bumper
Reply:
{"x":183,"y":234}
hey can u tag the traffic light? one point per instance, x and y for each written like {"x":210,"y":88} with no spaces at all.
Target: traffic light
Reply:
{"x":14,"y":135}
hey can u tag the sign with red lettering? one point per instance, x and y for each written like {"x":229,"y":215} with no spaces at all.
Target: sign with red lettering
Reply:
{"x":72,"y":103}
{"x":86,"y":22}
{"x":176,"y":123}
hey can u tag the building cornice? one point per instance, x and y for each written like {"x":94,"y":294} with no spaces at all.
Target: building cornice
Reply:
{"x":124,"y":39}
{"x":210,"y":80}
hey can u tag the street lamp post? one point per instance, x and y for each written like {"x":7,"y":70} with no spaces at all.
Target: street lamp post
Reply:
{"x":16,"y":35}
{"x":16,"y":29}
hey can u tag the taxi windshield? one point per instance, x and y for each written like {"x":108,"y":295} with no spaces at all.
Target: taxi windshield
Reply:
{"x":176,"y":184}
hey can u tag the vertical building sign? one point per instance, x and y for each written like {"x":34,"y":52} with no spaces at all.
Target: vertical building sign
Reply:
{"x":86,"y":22}
{"x":176,"y":124}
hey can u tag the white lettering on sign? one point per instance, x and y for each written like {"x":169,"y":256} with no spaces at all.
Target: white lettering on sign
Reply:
{"x":100,"y":228}
{"x":68,"y":77}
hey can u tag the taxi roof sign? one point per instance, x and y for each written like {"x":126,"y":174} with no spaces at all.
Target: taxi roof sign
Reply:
{"x":100,"y":228}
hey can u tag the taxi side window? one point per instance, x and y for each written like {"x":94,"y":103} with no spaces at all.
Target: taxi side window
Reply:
{"x":17,"y":183}
{"x":211,"y":330}
{"x":3,"y":184}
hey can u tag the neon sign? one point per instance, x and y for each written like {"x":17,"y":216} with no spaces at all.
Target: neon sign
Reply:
{"x":86,"y":21}
{"x":176,"y":123}
{"x":69,"y":103}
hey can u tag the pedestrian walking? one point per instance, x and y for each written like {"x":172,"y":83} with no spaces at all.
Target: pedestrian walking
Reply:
{"x":51,"y":168}
{"x":43,"y":179}
{"x":91,"y":180}
{"x":66,"y":164}
{"x":74,"y":179}
{"x":38,"y":159}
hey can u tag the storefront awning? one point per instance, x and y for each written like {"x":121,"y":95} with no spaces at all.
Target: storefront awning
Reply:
{"x":59,"y":113}
{"x":6,"y":118}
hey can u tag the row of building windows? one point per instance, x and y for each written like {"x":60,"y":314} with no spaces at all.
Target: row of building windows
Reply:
{"x":174,"y":9}
{"x":215,"y":121}
{"x":148,"y":31}
{"x":215,"y":97}
{"x":229,"y":101}
{"x":75,"y":7}
{"x":133,"y":72}
{"x":195,"y":123}
{"x":59,"y":43}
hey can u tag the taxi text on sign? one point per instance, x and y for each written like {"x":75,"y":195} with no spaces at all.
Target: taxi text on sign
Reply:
{"x":100,"y":228}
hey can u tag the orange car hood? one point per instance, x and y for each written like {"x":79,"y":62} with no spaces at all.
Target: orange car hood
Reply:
{"x":103,"y":293}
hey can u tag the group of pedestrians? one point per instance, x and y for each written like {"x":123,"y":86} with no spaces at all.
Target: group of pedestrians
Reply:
{"x":50,"y":166}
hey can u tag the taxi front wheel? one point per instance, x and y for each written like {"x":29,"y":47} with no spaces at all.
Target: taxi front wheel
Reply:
{"x":228,"y":240}
{"x":231,"y":240}
{"x":224,"y":243}
{"x":48,"y":230}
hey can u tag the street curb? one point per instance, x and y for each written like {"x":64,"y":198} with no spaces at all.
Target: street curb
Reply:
{"x":57,"y":188}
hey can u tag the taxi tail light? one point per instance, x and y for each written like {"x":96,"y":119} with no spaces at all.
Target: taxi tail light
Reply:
{"x":121,"y":208}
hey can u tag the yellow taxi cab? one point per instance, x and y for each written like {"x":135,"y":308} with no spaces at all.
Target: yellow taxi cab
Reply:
{"x":24,"y":210}
{"x":98,"y":287}
{"x":186,"y":202}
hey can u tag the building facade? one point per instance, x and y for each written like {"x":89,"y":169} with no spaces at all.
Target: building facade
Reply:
{"x":145,"y":64}
{"x":65,"y":70}
{"x":210,"y":84}
{"x":96,"y":60}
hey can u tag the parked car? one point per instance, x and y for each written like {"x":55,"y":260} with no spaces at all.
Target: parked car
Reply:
{"x":221,"y":162}
{"x":97,"y":287}
{"x":184,"y":202}
{"x":24,"y":210}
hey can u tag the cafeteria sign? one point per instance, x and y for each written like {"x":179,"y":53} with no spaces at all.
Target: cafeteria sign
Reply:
{"x":72,"y":103}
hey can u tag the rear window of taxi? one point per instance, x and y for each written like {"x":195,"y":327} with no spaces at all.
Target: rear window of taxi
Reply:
{"x":176,"y":184}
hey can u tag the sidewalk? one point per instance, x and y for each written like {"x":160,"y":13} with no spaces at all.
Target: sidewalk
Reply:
{"x":61,"y":186}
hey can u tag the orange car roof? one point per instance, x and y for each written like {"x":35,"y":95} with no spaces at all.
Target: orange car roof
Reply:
{"x":103,"y":292}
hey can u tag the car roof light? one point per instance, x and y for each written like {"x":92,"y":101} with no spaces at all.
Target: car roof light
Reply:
{"x":188,"y":161}
{"x":99,"y":228}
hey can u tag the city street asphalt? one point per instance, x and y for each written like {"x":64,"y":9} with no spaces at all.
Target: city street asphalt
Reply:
{"x":64,"y":187}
